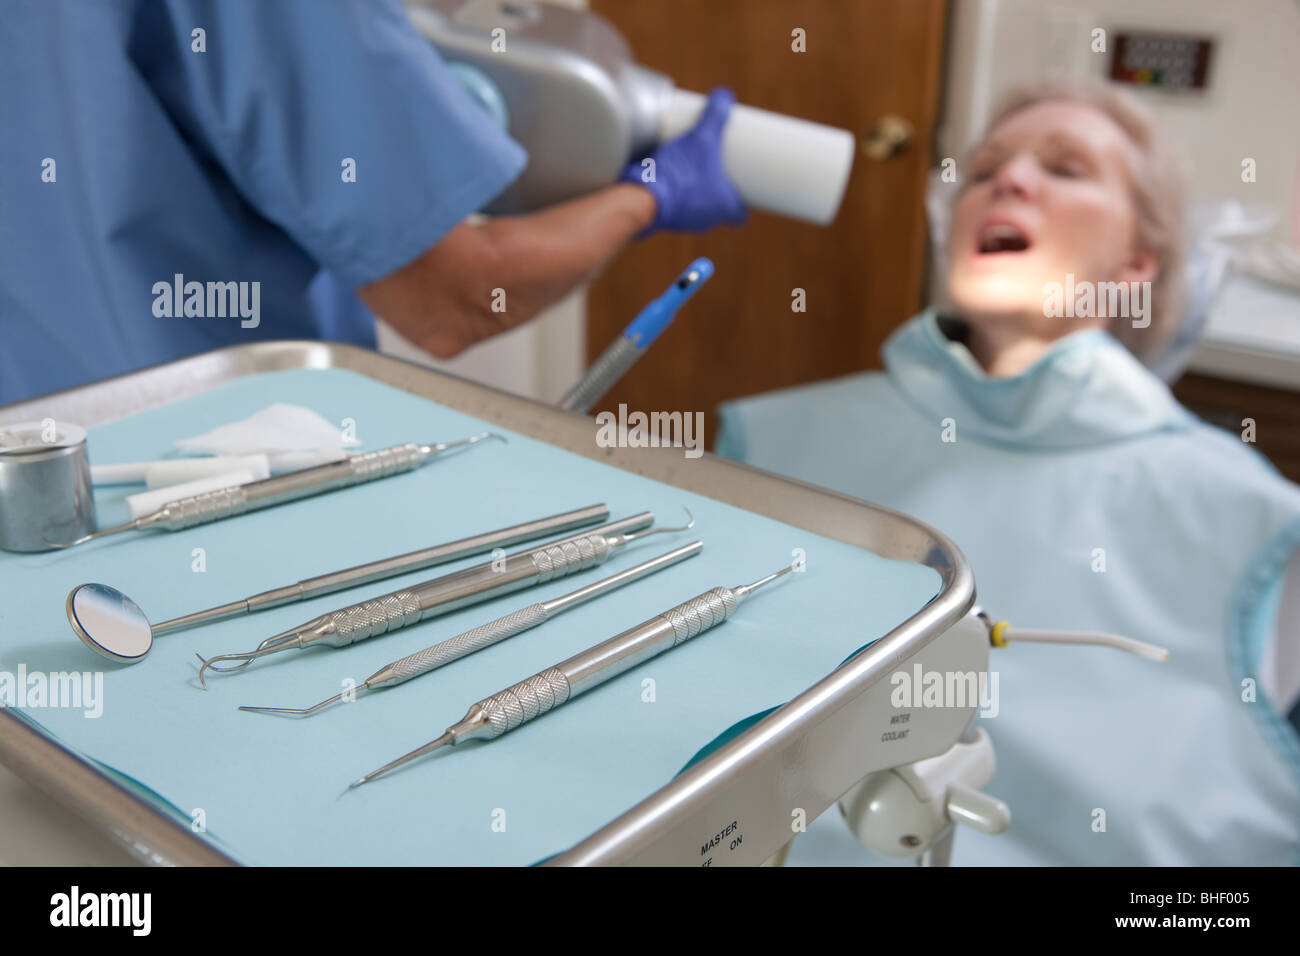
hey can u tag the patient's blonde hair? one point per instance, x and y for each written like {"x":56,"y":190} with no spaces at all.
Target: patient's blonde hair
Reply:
{"x":1158,"y":190}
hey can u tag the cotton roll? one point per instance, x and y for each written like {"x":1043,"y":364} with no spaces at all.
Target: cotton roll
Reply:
{"x":283,"y":461}
{"x":127,"y":473}
{"x":160,"y":474}
{"x":778,"y":163}
{"x":147,"y":502}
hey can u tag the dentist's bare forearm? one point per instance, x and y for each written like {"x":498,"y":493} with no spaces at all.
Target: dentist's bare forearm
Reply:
{"x":480,"y":280}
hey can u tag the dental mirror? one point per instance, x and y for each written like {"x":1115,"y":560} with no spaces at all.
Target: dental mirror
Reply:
{"x":109,"y":622}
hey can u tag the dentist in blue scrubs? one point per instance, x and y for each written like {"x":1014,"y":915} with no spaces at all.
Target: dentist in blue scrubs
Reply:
{"x":317,"y":159}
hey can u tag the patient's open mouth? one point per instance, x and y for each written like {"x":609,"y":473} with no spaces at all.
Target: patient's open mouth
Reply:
{"x":1001,"y":237}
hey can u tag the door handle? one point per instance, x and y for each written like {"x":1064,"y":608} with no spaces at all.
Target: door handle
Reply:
{"x":890,"y":137}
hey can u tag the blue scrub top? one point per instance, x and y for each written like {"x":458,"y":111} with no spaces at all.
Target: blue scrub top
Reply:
{"x":131,"y":156}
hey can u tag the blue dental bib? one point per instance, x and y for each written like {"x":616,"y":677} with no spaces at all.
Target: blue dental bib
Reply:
{"x":1086,"y":498}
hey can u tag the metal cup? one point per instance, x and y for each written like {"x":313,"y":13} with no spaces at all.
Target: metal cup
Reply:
{"x":45,"y":490}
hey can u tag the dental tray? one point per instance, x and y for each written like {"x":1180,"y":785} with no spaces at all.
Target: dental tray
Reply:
{"x":728,"y":732}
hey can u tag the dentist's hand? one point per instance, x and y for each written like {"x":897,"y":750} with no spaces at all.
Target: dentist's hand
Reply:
{"x":691,"y":190}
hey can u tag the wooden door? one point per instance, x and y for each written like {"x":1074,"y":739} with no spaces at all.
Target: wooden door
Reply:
{"x":862,"y":276}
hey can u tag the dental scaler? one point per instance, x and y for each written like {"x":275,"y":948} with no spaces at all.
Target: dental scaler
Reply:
{"x":548,"y":689}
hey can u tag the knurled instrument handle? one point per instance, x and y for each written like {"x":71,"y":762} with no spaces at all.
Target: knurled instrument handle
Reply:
{"x":612,"y":365}
{"x":200,"y":509}
{"x":558,"y":560}
{"x":402,"y":608}
{"x":521,"y":702}
{"x":376,"y":616}
{"x":454,"y":648}
{"x":700,"y":613}
{"x":383,"y":462}
{"x":506,"y":710}
{"x":227,"y":502}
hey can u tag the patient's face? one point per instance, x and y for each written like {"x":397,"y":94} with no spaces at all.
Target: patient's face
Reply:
{"x":1047,"y":193}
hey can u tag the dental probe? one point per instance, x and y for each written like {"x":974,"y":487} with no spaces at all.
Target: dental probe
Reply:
{"x":493,"y":632}
{"x":278,"y":489}
{"x":548,"y":689}
{"x":111,"y":624}
{"x":406,"y":606}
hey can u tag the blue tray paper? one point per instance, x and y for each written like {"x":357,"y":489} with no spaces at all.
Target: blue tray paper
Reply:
{"x":271,"y":790}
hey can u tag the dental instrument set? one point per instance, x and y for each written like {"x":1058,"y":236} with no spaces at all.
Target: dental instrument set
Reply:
{"x":410,"y":605}
{"x":548,"y":689}
{"x":493,"y":632}
{"x":667,"y":828}
{"x":111,"y":624}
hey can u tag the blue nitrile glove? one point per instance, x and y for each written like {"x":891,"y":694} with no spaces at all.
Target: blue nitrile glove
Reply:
{"x":691,"y":189}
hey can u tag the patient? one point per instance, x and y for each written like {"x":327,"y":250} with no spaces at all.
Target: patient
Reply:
{"x":1020,"y":421}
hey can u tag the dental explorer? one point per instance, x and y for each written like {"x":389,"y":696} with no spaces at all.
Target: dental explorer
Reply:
{"x":111,"y":624}
{"x":640,"y":334}
{"x":279,"y":489}
{"x":516,"y":622}
{"x":406,"y":606}
{"x":548,"y":689}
